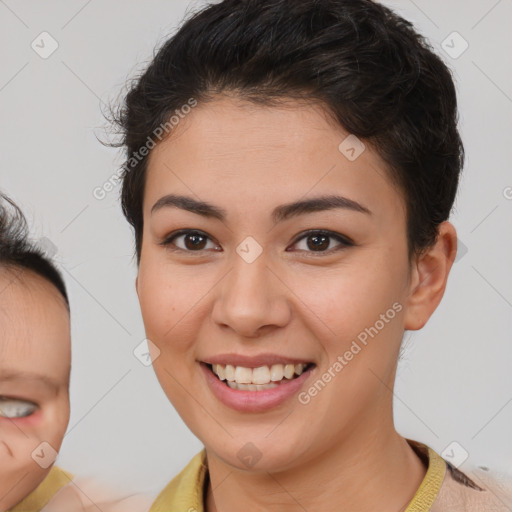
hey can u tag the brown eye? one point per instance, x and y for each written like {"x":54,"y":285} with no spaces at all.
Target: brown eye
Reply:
{"x":195,"y":241}
{"x":318,"y":242}
{"x":189,"y":241}
{"x":321,"y":241}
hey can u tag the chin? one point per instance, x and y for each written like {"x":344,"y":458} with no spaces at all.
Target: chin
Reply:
{"x":259,"y":455}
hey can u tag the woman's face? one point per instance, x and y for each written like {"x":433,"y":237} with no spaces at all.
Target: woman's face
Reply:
{"x":34,"y":378}
{"x":263,"y":275}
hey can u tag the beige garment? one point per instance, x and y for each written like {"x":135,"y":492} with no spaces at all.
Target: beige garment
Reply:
{"x":473,"y":490}
{"x":60,"y":492}
{"x":86,"y":495}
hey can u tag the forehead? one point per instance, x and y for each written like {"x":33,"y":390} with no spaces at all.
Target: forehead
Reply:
{"x":267,"y":155}
{"x":34,"y":321}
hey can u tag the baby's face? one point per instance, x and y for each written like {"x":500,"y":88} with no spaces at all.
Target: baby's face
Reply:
{"x":35,"y":356}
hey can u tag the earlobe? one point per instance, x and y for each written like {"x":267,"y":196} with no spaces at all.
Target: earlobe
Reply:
{"x":429,"y":278}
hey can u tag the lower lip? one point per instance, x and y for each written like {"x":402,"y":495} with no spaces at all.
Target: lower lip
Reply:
{"x":253,"y":401}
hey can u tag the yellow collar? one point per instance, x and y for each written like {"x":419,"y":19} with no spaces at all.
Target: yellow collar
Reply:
{"x":47,"y":489}
{"x":433,"y":480}
{"x":186,"y":490}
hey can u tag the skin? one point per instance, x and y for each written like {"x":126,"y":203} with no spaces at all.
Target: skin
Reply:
{"x":292,"y":300}
{"x":34,"y":368}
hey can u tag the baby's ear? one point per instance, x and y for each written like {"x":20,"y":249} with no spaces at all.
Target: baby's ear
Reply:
{"x":429,"y":275}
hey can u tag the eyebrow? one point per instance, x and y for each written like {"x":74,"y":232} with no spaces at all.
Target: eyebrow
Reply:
{"x":48,"y":382}
{"x":279,"y":214}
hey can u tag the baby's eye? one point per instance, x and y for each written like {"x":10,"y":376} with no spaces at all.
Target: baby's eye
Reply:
{"x":15,"y":408}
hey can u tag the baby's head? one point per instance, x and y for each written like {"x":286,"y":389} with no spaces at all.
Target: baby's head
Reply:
{"x":35,"y":357}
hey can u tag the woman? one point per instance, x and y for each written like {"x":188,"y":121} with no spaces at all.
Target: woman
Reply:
{"x":291,"y":166}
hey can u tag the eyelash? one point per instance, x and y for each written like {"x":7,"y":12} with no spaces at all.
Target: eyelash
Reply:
{"x":344,"y":241}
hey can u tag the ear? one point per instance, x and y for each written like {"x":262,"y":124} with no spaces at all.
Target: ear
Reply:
{"x":429,"y":276}
{"x":137,"y":284}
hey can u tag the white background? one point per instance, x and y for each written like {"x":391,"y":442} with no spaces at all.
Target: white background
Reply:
{"x":454,"y":383}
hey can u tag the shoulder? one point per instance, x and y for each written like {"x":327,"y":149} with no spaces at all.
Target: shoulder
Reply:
{"x":186,"y":490}
{"x":87,"y":495}
{"x":54,"y":481}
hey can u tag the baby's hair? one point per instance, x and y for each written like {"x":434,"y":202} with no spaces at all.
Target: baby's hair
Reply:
{"x":18,"y":252}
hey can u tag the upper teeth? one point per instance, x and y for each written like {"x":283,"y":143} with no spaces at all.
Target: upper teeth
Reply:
{"x":260,"y":375}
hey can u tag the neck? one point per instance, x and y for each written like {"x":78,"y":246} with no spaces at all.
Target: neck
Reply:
{"x":372,"y":469}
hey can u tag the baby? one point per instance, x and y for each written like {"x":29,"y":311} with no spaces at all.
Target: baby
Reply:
{"x":35,"y":354}
{"x":35,"y":360}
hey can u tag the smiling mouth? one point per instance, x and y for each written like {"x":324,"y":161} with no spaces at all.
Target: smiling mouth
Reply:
{"x":260,"y":378}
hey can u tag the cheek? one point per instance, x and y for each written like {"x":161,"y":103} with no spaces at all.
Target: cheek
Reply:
{"x":158,"y":300}
{"x":348,"y":299}
{"x":169,"y":325}
{"x":30,"y":423}
{"x":56,"y":423}
{"x":172,"y":298}
{"x":19,"y":473}
{"x":18,"y":440}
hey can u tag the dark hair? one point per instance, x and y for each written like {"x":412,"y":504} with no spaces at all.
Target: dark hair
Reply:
{"x":17,"y":252}
{"x":372,"y":72}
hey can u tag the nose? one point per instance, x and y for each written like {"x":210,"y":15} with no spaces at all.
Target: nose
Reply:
{"x":252,"y":300}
